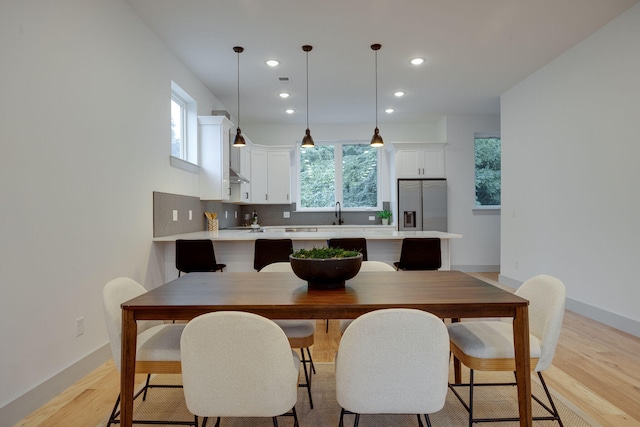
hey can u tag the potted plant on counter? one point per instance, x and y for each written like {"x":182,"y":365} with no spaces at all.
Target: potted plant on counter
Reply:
{"x":324,"y":267}
{"x":385,"y":215}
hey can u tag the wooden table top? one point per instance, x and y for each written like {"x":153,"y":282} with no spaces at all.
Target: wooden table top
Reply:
{"x":284,"y":295}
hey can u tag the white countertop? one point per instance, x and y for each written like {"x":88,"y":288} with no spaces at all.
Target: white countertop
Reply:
{"x":323,"y":233}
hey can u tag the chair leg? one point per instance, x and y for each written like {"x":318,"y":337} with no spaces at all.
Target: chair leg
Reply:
{"x":295,"y":417}
{"x":307,"y":378}
{"x":275,"y":421}
{"x":420,"y":421}
{"x":112,"y":417}
{"x":427,"y":419}
{"x":313,"y":367}
{"x":553,"y":410}
{"x":471,"y":398}
{"x":146,"y":387}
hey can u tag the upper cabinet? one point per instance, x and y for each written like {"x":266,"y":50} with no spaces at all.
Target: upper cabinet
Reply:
{"x":270,"y":176}
{"x":213,"y":135}
{"x":415,"y":160}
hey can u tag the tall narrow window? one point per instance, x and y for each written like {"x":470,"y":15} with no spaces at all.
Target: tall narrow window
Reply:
{"x":178,"y":134}
{"x":184,"y":129}
{"x":488,"y":174}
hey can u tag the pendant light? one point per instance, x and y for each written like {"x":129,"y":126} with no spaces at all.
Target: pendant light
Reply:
{"x":307,"y":141}
{"x":239,"y":139}
{"x":376,"y":140}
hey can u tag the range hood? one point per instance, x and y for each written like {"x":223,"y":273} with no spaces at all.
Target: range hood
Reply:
{"x":236,"y":177}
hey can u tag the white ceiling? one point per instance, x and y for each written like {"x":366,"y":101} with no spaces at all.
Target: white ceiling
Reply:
{"x":474,"y":49}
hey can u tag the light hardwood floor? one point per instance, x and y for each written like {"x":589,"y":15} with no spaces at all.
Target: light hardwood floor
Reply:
{"x":597,"y":368}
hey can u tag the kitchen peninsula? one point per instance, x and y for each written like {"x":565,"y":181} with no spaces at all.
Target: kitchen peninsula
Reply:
{"x":235,"y":247}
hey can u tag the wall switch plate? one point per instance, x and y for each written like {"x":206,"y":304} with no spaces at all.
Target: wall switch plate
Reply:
{"x":175,"y":215}
{"x":286,"y":214}
{"x":372,"y":218}
{"x":190,"y":215}
{"x":79,"y":326}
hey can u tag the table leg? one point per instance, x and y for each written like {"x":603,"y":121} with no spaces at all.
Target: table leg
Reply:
{"x":127,"y":367}
{"x":523,"y":364}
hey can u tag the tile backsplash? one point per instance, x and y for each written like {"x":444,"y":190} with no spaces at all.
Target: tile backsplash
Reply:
{"x":232,"y":215}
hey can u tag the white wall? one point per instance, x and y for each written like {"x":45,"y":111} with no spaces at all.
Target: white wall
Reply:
{"x":84,"y":128}
{"x":570,"y":156}
{"x":479,"y":248}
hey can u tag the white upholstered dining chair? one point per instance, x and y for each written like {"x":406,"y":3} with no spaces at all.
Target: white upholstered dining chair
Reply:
{"x":237,"y":364}
{"x":158,"y":345}
{"x":488,"y":345}
{"x":367,"y":266}
{"x":393,"y":361}
{"x":299,"y":332}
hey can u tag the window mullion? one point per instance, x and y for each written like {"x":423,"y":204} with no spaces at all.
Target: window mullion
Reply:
{"x":338,"y":172}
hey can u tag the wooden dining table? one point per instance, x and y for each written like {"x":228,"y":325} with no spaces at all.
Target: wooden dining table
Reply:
{"x":447,"y":294}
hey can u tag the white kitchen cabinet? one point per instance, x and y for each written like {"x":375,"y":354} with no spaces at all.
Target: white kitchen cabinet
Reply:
{"x":419,"y":161}
{"x":213,"y":136}
{"x":270,"y":176}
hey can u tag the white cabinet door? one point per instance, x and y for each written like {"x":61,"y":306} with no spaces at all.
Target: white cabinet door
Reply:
{"x":245,"y":169}
{"x":420,"y":162}
{"x":270,"y":176}
{"x":408,"y":163}
{"x":214,"y":157}
{"x":258,"y":176}
{"x":278,"y":177}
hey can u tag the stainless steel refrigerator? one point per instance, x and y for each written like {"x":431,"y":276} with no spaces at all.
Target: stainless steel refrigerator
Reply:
{"x":422,"y":205}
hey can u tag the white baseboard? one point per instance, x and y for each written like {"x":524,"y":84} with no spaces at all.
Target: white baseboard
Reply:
{"x":24,"y":405}
{"x":624,"y":324}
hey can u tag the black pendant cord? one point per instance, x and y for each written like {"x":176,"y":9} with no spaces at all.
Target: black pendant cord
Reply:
{"x":307,"y":89}
{"x":376,"y":88}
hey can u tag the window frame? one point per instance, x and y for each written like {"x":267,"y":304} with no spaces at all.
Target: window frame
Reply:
{"x":338,"y":144}
{"x":190,"y":150}
{"x":485,"y":208}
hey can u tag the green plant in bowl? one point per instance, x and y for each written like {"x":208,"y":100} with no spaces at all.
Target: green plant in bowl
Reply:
{"x":324,"y":267}
{"x":324,"y":253}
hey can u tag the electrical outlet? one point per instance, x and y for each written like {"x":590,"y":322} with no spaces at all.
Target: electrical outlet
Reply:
{"x":235,"y":214}
{"x":190,"y":215}
{"x":372,"y":218}
{"x":226,"y":214}
{"x":79,"y":326}
{"x":175,"y":215}
{"x":286,"y":214}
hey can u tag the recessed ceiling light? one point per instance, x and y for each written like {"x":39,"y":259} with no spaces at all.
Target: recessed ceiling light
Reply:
{"x":389,"y":110}
{"x":289,"y":111}
{"x":399,"y":93}
{"x":284,"y":95}
{"x":272,"y":63}
{"x":417,"y":61}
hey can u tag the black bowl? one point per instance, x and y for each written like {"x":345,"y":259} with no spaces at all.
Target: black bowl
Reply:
{"x":328,"y":273}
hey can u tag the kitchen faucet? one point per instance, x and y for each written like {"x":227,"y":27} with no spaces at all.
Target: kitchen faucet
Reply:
{"x":338,"y":213}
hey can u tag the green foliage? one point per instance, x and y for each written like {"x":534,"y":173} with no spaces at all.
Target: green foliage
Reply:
{"x":359,"y":176}
{"x":488,"y":172}
{"x":324,"y":253}
{"x":385,"y":214}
